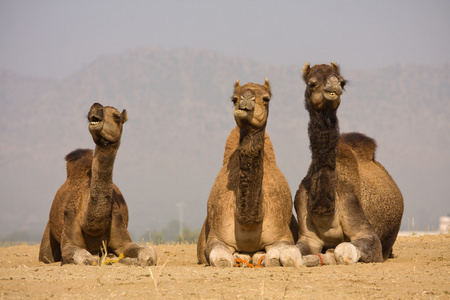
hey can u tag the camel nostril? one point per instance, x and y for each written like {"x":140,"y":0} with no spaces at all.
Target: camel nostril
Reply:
{"x":246,"y":105}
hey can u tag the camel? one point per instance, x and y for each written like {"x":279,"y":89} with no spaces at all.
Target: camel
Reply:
{"x":249,"y":210}
{"x":88,"y":208}
{"x":347,"y":201}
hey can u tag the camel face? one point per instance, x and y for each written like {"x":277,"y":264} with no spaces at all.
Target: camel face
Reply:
{"x":251,"y":104}
{"x":105,"y":123}
{"x":324,"y":86}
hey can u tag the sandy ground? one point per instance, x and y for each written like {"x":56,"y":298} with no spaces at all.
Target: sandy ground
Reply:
{"x":421,"y":269}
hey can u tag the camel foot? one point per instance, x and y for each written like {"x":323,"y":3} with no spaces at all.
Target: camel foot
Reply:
{"x":147,"y":256}
{"x":290,"y":256}
{"x":256,"y":258}
{"x":346,"y":254}
{"x":243,"y":256}
{"x":221,"y":257}
{"x":129,"y":261}
{"x":283,"y":254}
{"x":83,"y":257}
{"x":315,"y":260}
{"x":272,"y":258}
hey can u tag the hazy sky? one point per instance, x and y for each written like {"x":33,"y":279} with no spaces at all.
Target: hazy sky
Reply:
{"x":57,"y":38}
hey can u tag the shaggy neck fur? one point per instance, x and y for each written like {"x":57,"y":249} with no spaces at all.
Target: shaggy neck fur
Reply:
{"x":98,"y":214}
{"x":249,"y":202}
{"x":323,"y":130}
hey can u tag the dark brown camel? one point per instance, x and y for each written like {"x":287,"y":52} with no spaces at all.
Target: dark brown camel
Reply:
{"x":250,"y":206}
{"x":347,"y":201}
{"x":88,"y":208}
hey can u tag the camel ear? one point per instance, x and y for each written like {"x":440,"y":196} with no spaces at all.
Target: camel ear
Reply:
{"x":267,"y":87}
{"x":305,"y":70}
{"x":335,"y":67}
{"x":237,"y":85}
{"x":96,"y":105}
{"x":124,"y":116}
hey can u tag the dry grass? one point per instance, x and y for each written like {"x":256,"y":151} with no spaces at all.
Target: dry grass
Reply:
{"x":156,"y":279}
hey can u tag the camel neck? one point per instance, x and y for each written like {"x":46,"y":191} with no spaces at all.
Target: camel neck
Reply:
{"x":249,"y":202}
{"x":101,"y":189}
{"x":323,"y":130}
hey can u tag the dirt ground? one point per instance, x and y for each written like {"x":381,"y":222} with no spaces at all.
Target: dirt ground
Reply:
{"x":421,"y":269}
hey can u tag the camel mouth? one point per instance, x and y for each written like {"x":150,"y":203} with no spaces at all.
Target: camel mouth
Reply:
{"x":95,"y":123}
{"x":241,"y":113}
{"x":331,"y":96}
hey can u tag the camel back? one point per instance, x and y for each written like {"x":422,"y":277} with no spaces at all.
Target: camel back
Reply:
{"x":363,"y":145}
{"x":79,"y":163}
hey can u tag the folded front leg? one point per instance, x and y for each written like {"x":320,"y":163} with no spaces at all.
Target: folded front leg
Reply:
{"x":366,"y":249}
{"x":220,"y":255}
{"x":72,"y":254}
{"x":284,"y":254}
{"x":146,"y":256}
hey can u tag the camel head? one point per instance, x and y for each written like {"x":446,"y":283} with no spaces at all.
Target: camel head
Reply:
{"x":105,"y":124}
{"x":251,"y":104}
{"x":324,"y":87}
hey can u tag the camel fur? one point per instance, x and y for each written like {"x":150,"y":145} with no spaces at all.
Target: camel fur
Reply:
{"x":88,"y":208}
{"x":249,"y":211}
{"x":347,"y":201}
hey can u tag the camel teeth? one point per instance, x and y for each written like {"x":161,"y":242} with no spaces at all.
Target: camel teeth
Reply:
{"x":94,"y":123}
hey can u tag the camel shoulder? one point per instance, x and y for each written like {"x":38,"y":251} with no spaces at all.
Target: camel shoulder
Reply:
{"x":79,"y":163}
{"x":362,"y":145}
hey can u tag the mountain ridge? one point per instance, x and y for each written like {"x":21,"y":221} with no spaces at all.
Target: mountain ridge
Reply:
{"x":180,"y":116}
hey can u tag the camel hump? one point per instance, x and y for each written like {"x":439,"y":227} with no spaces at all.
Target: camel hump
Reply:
{"x":363,"y":145}
{"x":79,"y":162}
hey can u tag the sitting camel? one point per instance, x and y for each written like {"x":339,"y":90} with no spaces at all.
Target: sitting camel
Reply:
{"x":347,"y":201}
{"x":250,"y":206}
{"x":88,"y":208}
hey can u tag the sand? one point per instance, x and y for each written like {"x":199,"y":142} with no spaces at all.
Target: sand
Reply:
{"x":420,"y":269}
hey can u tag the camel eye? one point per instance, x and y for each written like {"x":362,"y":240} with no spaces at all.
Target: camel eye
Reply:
{"x":312,"y":83}
{"x":234,"y":99}
{"x":117,"y":118}
{"x":343,"y":83}
{"x":266,"y":99}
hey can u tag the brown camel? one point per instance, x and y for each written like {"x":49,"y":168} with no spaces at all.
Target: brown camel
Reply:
{"x":347,"y":201}
{"x":88,"y":208}
{"x":250,"y":205}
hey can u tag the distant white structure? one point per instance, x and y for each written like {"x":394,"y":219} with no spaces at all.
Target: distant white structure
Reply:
{"x":444,"y":224}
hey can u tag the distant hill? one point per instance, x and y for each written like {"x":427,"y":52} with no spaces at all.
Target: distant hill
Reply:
{"x":180,"y":114}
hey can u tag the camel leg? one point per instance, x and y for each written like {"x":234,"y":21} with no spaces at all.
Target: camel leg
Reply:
{"x":72,"y":254}
{"x":219,"y":254}
{"x":50,"y":250}
{"x":120,"y":242}
{"x":283,"y":253}
{"x":144,"y":255}
{"x":201,"y":244}
{"x":321,"y":259}
{"x":366,"y":250}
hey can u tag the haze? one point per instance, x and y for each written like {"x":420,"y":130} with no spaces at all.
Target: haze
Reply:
{"x":57,"y":39}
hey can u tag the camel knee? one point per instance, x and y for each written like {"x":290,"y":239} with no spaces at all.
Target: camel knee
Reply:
{"x":291,"y":256}
{"x":147,"y":256}
{"x":346,"y":254}
{"x":81,"y":257}
{"x":220,"y":256}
